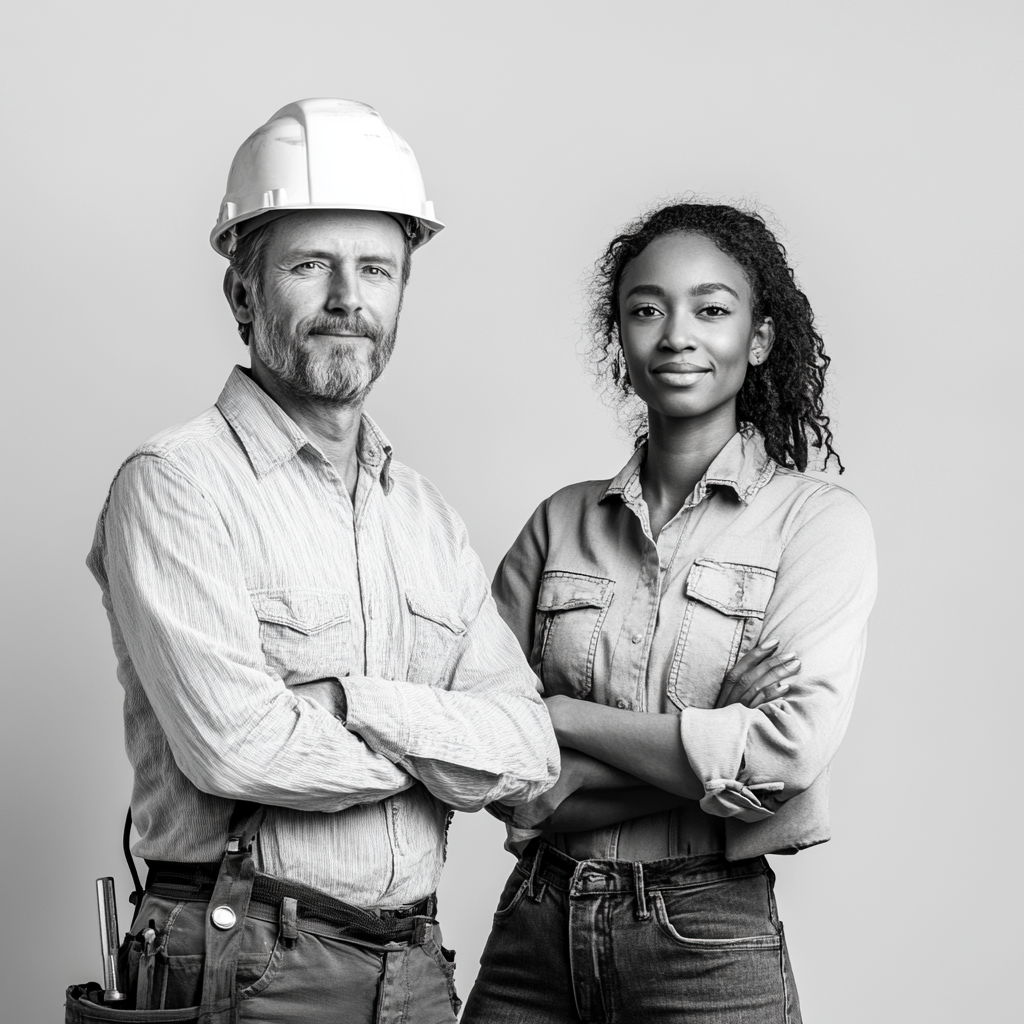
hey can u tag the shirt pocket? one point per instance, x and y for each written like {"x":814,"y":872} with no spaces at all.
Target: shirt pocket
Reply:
{"x":571,"y":609}
{"x":437,"y":633}
{"x":305,"y":634}
{"x":722,"y":616}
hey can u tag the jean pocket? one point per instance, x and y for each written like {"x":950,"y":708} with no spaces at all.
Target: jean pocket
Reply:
{"x":511,"y":896}
{"x":732,"y":914}
{"x":724,"y":609}
{"x":306,"y":634}
{"x":571,"y":609}
{"x":437,"y":634}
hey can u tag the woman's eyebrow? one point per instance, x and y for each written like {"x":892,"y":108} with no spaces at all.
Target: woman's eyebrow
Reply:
{"x":710,"y":287}
{"x":647,"y":289}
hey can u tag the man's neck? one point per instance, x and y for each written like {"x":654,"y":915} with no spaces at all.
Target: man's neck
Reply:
{"x":332,"y":427}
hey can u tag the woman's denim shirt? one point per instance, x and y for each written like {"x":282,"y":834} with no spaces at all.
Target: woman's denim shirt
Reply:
{"x":606,"y":613}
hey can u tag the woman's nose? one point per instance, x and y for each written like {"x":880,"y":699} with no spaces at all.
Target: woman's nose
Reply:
{"x":677,"y":335}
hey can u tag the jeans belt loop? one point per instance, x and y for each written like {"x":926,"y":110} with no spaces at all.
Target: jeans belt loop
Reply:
{"x":643,"y":912}
{"x":533,"y":872}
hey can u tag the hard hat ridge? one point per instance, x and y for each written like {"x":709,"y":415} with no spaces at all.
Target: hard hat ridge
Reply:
{"x":323,"y":154}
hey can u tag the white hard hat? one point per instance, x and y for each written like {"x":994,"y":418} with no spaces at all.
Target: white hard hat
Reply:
{"x":323,"y":154}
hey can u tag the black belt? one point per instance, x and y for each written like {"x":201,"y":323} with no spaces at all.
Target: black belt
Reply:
{"x":196,"y":882}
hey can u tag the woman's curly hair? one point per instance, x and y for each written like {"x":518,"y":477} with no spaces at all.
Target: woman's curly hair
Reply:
{"x":781,"y":397}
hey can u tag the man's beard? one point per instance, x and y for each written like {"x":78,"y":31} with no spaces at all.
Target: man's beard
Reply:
{"x":330,"y":371}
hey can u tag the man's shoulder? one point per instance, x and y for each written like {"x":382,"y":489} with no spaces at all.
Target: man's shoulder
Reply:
{"x":193,"y":449}
{"x":187,"y":440}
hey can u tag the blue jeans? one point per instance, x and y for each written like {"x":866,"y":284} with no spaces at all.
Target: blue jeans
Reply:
{"x":693,"y":939}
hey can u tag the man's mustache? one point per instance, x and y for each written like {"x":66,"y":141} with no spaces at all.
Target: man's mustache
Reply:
{"x":354,"y":324}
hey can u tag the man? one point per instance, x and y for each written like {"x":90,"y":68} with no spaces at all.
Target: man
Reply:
{"x":307,"y":643}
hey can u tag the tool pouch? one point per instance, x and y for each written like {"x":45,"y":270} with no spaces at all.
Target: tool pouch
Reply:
{"x":225,"y":917}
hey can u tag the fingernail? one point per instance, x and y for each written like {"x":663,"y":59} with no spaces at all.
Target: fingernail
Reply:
{"x":788,"y":657}
{"x":771,"y":643}
{"x":783,"y":687}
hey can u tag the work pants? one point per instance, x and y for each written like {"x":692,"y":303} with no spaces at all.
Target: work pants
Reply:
{"x":296,"y":970}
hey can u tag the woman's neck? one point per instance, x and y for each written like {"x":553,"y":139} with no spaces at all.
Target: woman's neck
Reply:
{"x":679,"y":452}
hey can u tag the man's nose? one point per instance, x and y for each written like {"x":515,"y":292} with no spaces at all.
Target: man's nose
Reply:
{"x":344,"y":295}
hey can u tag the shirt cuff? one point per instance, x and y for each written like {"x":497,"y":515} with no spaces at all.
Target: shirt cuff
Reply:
{"x":377,"y":712}
{"x":715,"y":740}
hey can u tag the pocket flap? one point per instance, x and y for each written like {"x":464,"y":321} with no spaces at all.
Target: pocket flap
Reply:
{"x":560,"y":591}
{"x":731,"y":587}
{"x":307,"y":611}
{"x":431,"y":605}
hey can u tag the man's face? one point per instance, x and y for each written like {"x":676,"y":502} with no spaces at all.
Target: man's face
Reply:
{"x":326,"y":322}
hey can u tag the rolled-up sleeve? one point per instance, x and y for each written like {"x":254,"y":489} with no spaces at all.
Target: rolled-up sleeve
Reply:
{"x":177,"y":592}
{"x":485,"y":735}
{"x":751,"y":759}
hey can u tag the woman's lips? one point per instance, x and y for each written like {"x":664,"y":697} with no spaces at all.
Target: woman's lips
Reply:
{"x":680,"y":375}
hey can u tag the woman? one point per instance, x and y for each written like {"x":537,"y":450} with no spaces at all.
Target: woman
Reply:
{"x":650,"y":606}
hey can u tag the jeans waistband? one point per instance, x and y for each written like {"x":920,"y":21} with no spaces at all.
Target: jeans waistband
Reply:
{"x":542,"y":863}
{"x":196,"y":882}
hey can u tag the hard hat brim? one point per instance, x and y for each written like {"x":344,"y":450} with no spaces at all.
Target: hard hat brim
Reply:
{"x":225,"y":236}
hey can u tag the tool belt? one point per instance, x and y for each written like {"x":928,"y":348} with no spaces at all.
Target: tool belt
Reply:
{"x":229,"y":888}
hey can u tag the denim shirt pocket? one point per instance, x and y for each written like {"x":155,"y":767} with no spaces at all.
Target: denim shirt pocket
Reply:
{"x":724,"y":608}
{"x":437,"y":632}
{"x":306,"y":634}
{"x":571,"y":609}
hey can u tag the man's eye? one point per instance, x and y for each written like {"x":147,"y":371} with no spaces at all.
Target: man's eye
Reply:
{"x":376,"y":271}
{"x":309,"y":265}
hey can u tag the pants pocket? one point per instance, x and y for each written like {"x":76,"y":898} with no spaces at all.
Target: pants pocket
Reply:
{"x":445,"y":960}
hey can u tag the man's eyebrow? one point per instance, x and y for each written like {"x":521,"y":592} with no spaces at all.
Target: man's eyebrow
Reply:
{"x":711,"y":287}
{"x":330,"y":257}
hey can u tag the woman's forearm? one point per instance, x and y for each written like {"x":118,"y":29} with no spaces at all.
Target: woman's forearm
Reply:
{"x":649,"y":747}
{"x":599,"y":808}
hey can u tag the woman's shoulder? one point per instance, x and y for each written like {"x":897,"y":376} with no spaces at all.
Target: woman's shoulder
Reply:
{"x":813,"y":499}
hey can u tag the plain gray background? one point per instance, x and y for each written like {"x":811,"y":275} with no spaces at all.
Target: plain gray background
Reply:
{"x":885,"y":137}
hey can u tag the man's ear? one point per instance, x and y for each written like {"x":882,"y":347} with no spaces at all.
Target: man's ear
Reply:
{"x":240,"y":301}
{"x":761,"y":343}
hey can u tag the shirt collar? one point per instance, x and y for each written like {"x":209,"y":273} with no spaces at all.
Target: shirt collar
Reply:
{"x":742,"y":465}
{"x":271,"y":437}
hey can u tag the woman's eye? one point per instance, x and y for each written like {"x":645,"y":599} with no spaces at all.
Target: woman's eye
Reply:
{"x":646,"y":312}
{"x":714,"y":311}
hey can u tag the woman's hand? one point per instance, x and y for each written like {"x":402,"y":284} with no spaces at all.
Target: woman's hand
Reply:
{"x":578,"y":772}
{"x":759,"y":676}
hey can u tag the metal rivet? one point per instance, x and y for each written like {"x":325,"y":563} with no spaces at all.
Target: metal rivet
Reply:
{"x":636,"y":638}
{"x":620,"y":703}
{"x":223,"y":918}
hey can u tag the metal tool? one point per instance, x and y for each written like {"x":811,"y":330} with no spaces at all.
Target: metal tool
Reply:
{"x":107,"y":907}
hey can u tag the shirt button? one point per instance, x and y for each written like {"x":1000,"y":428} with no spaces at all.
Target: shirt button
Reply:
{"x":623,"y":704}
{"x":636,"y":638}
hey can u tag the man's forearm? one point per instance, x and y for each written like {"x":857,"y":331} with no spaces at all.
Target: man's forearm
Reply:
{"x":647,"y":746}
{"x":598,"y":808}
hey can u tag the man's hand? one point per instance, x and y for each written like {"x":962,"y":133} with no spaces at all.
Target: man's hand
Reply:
{"x":758,"y":677}
{"x":328,"y":692}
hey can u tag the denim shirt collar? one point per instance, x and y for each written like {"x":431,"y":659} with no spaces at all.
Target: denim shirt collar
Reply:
{"x":271,"y":437}
{"x":742,"y":465}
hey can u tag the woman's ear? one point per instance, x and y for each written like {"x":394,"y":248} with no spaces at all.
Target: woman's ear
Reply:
{"x":762,"y":341}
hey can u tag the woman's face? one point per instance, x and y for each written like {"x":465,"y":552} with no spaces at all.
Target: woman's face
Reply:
{"x":685,"y":319}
